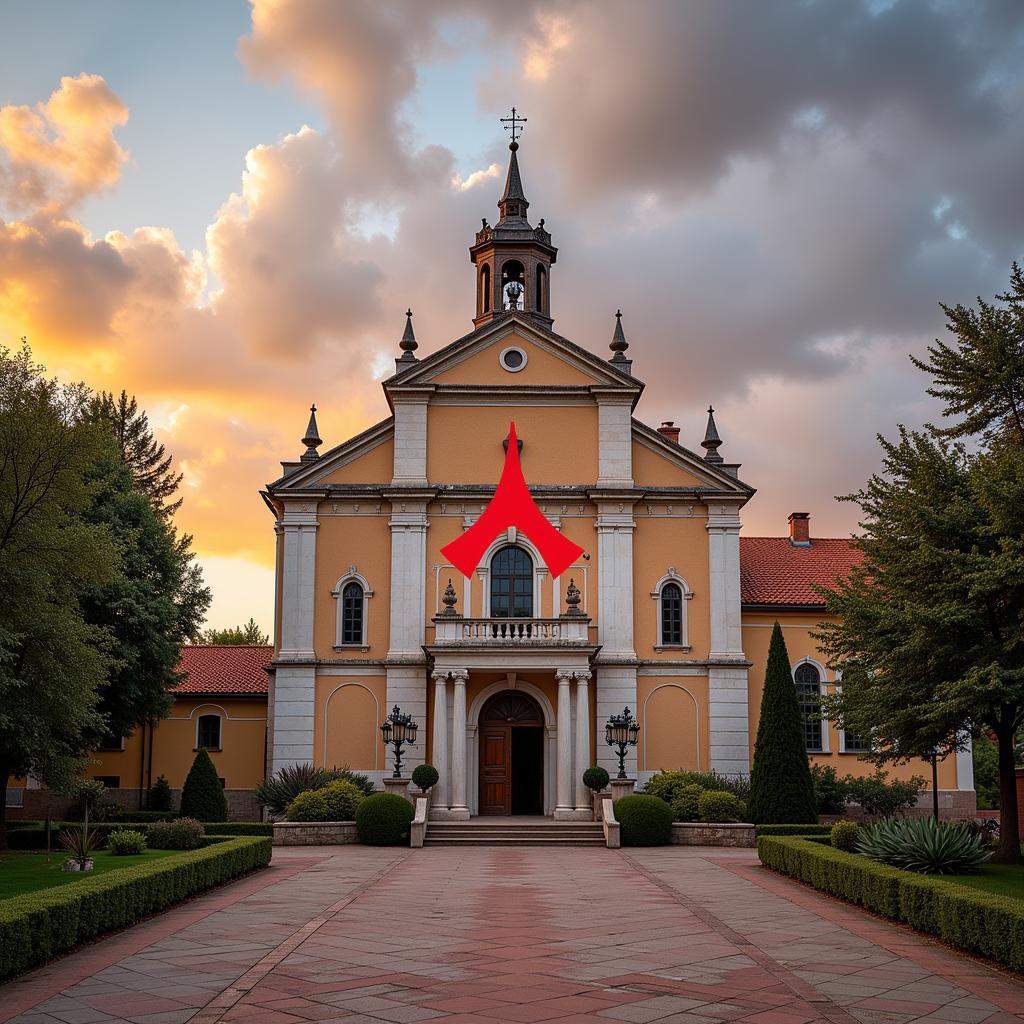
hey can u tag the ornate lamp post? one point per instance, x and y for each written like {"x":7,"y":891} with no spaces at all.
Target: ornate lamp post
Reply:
{"x":398,"y":729}
{"x":622,"y":731}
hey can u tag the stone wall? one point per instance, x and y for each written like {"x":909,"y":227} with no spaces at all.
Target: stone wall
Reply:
{"x":695,"y":833}
{"x":314,"y":833}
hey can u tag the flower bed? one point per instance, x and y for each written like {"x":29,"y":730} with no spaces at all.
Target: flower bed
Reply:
{"x":969,"y":919}
{"x":39,"y":925}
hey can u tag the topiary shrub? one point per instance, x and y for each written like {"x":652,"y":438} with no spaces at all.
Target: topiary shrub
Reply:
{"x":202,"y":796}
{"x":685,"y":803}
{"x":781,"y":789}
{"x":180,"y":834}
{"x":125,"y":842}
{"x":644,"y":820}
{"x":716,"y":805}
{"x":277,"y":792}
{"x":595,"y":779}
{"x":159,"y":796}
{"x":337,"y":801}
{"x":844,"y":835}
{"x":425,"y":776}
{"x":383,"y":820}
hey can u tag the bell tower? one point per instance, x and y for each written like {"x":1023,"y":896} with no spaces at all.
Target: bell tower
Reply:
{"x":513,"y":260}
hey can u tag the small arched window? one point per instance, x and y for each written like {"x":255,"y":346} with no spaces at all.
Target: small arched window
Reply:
{"x":485,"y":286}
{"x":808,"y":692}
{"x":353,"y":613}
{"x":513,"y":285}
{"x":672,"y":614}
{"x":511,"y":584}
{"x":208,"y":732}
{"x":539,"y":297}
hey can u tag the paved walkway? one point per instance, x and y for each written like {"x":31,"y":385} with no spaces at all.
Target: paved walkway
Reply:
{"x":479,"y":936}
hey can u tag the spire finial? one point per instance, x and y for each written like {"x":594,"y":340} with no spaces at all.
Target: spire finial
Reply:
{"x":619,"y":343}
{"x":513,"y":124}
{"x":408,"y":343}
{"x":712,"y":442}
{"x":513,"y":204}
{"x":312,"y":439}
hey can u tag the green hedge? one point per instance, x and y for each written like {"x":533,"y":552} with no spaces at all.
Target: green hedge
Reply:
{"x":794,"y":830}
{"x":39,"y":925}
{"x":35,"y":838}
{"x":969,"y":919}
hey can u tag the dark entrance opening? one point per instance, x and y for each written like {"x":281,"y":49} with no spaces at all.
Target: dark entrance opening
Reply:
{"x":511,"y":755}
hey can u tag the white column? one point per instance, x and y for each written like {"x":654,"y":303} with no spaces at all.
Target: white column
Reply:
{"x":564,"y":806}
{"x":410,"y":465}
{"x":615,"y":441}
{"x":440,"y":739}
{"x":460,"y":769}
{"x":615,"y":525}
{"x":583,"y":798}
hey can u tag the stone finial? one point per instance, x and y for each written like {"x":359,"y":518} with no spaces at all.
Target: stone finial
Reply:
{"x":449,"y":599}
{"x":572,"y":599}
{"x":712,"y":442}
{"x":619,"y":343}
{"x":408,"y":343}
{"x":312,"y":439}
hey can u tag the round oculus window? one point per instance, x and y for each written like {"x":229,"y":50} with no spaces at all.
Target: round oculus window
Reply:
{"x":513,"y":359}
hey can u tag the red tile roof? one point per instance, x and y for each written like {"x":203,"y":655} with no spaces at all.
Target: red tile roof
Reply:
{"x":224,"y":669}
{"x":775,"y":572}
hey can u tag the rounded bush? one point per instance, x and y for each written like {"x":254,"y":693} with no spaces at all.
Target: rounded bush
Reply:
{"x":425,"y":776}
{"x":595,"y":779}
{"x":844,"y":835}
{"x":337,"y":801}
{"x":716,"y":805}
{"x":645,"y":820}
{"x":125,"y":842}
{"x":180,"y":834}
{"x":685,"y":804}
{"x":383,"y":820}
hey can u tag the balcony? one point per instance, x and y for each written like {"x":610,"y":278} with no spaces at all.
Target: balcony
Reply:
{"x":565,"y":631}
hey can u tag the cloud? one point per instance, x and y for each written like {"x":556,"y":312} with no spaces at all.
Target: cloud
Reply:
{"x":63,"y":148}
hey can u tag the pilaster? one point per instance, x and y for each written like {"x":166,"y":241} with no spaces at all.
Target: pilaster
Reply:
{"x":564,"y":807}
{"x":615,"y":440}
{"x":410,"y":465}
{"x":584,"y":801}
{"x":298,"y":571}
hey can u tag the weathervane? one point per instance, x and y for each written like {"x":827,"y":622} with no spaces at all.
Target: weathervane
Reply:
{"x":513,"y":124}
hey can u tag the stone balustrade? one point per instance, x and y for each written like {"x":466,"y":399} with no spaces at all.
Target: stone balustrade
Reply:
{"x":535,"y":632}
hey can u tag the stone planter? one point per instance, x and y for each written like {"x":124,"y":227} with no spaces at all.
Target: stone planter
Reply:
{"x":699,"y":833}
{"x":400,"y":787}
{"x":314,"y":833}
{"x":621,"y":788}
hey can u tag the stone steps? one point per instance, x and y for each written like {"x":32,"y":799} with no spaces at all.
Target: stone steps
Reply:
{"x":504,"y":834}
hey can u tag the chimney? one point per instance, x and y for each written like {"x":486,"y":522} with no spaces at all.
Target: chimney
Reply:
{"x":800,"y":529}
{"x":670,"y":430}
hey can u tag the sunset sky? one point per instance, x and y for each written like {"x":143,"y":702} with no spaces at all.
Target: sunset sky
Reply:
{"x":225,"y":208}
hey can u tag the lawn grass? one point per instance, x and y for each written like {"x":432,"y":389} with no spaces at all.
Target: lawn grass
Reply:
{"x":1001,"y":879}
{"x":28,"y":871}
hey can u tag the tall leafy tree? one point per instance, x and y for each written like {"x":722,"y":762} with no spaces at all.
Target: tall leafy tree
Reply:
{"x":249,"y":633}
{"x":53,"y":660}
{"x":781,"y":788}
{"x":935,"y":614}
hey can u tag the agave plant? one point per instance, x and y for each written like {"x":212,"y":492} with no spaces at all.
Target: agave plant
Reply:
{"x":80,"y":843}
{"x":923,"y":845}
{"x":277,"y":792}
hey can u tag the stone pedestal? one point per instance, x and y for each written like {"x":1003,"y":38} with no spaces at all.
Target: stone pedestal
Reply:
{"x":599,"y":797}
{"x":400,"y":787}
{"x":622,"y":787}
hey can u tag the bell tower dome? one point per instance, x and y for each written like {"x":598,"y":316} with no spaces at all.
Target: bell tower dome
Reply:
{"x":513,"y":260}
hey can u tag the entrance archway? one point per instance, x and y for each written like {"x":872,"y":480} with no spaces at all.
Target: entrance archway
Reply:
{"x":512,"y":738}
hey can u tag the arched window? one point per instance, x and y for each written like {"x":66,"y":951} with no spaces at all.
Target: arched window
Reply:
{"x":485,"y":285}
{"x":511,"y":584}
{"x":672,"y":614}
{"x":513,"y":285}
{"x":352,"y":613}
{"x":808,"y":692}
{"x":208,"y":732}
{"x":539,"y":297}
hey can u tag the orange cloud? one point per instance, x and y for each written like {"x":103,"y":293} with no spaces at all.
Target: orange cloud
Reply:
{"x":63,"y":148}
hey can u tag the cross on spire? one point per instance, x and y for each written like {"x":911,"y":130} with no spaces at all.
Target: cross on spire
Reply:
{"x":514,"y":125}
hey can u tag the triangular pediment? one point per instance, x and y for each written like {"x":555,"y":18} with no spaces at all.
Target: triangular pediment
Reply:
{"x":367,"y":458}
{"x":659,"y":462}
{"x":551,"y":361}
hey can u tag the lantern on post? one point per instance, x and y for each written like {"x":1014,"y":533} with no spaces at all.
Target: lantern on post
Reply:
{"x":622,"y":731}
{"x":397,"y":730}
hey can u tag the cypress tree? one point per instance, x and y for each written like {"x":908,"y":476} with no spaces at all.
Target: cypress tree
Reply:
{"x":781,"y":789}
{"x":203,"y":796}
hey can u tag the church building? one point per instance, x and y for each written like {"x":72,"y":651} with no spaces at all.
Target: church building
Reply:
{"x":511,"y":673}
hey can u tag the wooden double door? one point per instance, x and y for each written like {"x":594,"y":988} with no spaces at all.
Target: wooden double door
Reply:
{"x":511,"y":755}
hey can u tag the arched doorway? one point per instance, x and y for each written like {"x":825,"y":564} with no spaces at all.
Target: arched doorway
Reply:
{"x":511,"y":755}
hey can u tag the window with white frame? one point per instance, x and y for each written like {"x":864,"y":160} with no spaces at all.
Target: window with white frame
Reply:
{"x":208,"y":732}
{"x":351,"y":593}
{"x":672,"y":593}
{"x":808,"y":690}
{"x":850,"y":742}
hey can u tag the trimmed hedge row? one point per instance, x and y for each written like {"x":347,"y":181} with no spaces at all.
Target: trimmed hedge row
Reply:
{"x":969,"y":919}
{"x":35,"y":838}
{"x":794,"y":830}
{"x":39,"y":925}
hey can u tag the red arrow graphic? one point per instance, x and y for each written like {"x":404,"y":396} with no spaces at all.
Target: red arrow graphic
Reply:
{"x":512,"y":505}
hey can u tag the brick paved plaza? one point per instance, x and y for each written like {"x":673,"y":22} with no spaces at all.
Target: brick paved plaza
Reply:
{"x":474,"y":936}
